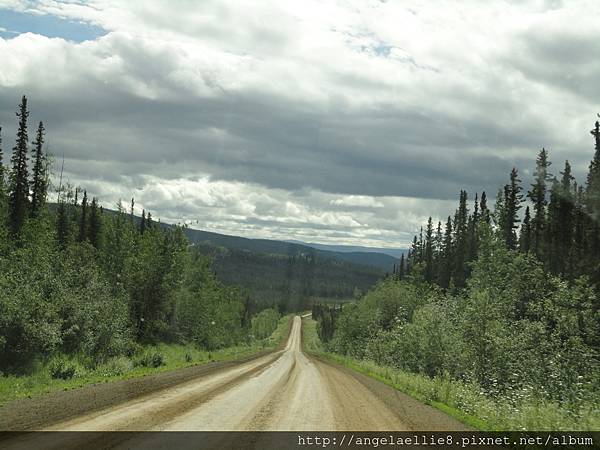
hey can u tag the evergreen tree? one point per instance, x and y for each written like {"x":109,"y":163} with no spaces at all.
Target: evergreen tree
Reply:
{"x":512,"y":205}
{"x":484,"y":210}
{"x":414,"y":252}
{"x":537,"y":195}
{"x":592,"y":207}
{"x":39,"y":183}
{"x":525,"y":236}
{"x":593,"y":179}
{"x":461,"y":233}
{"x":19,"y":185}
{"x":143,"y":222}
{"x":566,"y":208}
{"x":132,"y":210}
{"x":473,"y":222}
{"x":83,"y":219}
{"x":447,"y":257}
{"x":95,"y":224}
{"x":149,"y":223}
{"x":552,"y":231}
{"x":428,"y":253}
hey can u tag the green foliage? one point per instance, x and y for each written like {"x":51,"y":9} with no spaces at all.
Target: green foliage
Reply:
{"x":62,"y":368}
{"x":265,"y":323}
{"x":151,"y":358}
{"x":517,"y":333}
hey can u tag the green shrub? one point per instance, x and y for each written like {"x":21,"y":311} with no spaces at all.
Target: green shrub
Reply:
{"x":116,"y":366}
{"x":61,"y":368}
{"x":151,"y":359}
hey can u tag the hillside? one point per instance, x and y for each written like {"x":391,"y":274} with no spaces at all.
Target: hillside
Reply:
{"x":358,"y":255}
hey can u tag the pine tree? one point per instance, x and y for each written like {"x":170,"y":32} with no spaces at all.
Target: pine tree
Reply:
{"x":593,"y":179}
{"x":428,"y":253}
{"x":132,"y":210}
{"x":566,"y":208}
{"x":414,"y":252}
{"x":95,"y":224}
{"x":537,"y":195}
{"x":19,"y":186}
{"x":447,"y":256}
{"x":83,"y":219}
{"x":143,"y":222}
{"x":592,"y":207}
{"x":473,"y":223}
{"x":512,"y":205}
{"x":149,"y":223}
{"x":461,"y":233}
{"x":39,"y":183}
{"x":525,"y":236}
{"x":552,"y":230}
{"x":484,"y":210}
{"x":577,"y":257}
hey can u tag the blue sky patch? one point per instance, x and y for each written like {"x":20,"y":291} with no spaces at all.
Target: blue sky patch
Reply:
{"x":13,"y":23}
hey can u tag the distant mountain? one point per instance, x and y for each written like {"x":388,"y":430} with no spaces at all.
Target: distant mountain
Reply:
{"x":394,"y":252}
{"x":356,"y":255}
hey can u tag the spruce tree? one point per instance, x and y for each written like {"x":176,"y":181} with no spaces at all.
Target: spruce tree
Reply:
{"x":95,"y":224}
{"x":566,"y":209}
{"x":592,"y":207}
{"x":143,"y":222}
{"x":473,"y":238}
{"x":83,"y":219}
{"x":428,"y":253}
{"x":461,"y":232}
{"x":447,"y":256}
{"x":552,"y":230}
{"x":401,"y":268}
{"x":592,"y":196}
{"x":484,"y":213}
{"x":39,"y":183}
{"x":19,"y":185}
{"x":525,"y":236}
{"x":538,"y":195}
{"x":512,"y":205}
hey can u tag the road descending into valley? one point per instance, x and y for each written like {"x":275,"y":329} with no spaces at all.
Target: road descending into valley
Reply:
{"x":283,"y":391}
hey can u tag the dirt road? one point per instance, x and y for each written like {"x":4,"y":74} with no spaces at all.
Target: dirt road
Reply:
{"x":287,"y":390}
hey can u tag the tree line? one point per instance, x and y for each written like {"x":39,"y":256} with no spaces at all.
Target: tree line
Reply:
{"x":560,"y":226}
{"x":78,"y":280}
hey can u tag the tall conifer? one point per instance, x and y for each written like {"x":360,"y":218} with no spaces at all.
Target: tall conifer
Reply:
{"x":19,"y":184}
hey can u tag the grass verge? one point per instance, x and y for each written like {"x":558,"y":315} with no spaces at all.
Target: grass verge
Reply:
{"x":170,"y":357}
{"x":465,"y":403}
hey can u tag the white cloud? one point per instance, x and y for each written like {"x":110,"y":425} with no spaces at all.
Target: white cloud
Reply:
{"x":336,"y":120}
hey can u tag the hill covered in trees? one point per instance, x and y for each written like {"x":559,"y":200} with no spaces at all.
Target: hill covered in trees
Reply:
{"x":284,"y":275}
{"x":495,"y":313}
{"x":376,"y":259}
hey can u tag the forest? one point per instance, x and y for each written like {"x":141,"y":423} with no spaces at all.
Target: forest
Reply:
{"x":497,"y":306}
{"x":81,"y":288}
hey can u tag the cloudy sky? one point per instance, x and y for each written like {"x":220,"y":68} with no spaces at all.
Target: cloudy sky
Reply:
{"x":332,"y":121}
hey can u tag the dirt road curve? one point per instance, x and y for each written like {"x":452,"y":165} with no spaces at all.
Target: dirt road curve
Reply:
{"x":287,"y":390}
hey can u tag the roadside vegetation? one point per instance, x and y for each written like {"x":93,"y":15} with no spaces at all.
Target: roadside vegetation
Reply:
{"x":498,"y":322}
{"x":88,"y":296}
{"x":64,"y":372}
